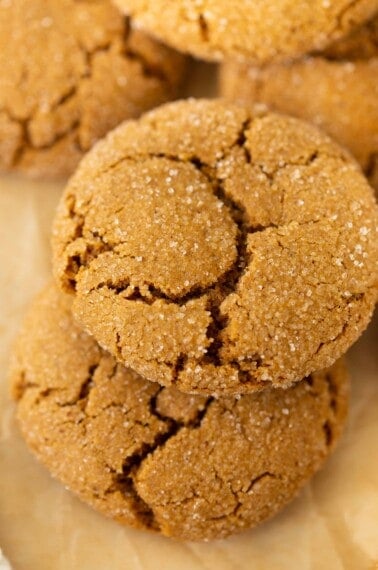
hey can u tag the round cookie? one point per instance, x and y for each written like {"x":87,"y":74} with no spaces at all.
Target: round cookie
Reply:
{"x":187,"y":466}
{"x":337,"y":90}
{"x":218,"y":250}
{"x":254,"y":30}
{"x":70,"y":72}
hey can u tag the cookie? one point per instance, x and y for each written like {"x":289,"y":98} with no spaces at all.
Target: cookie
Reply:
{"x":190,"y":467}
{"x":70,"y":72}
{"x":253,"y":30}
{"x":218,"y":250}
{"x":337,"y":90}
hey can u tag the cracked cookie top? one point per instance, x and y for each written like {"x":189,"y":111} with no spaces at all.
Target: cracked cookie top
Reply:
{"x":257,"y":30}
{"x":336,"y":89}
{"x":219,"y":250}
{"x":191,"y":467}
{"x":70,"y":72}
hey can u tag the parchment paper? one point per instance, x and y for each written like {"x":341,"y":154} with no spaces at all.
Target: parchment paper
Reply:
{"x":333,"y":525}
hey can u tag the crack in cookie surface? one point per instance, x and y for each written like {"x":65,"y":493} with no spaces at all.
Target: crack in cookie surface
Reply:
{"x":285,"y":198}
{"x":100,"y":55}
{"x":152,"y":457}
{"x":209,"y":31}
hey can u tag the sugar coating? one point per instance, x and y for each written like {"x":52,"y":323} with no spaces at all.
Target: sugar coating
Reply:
{"x":336,"y":89}
{"x":268,"y":273}
{"x":218,"y":250}
{"x":253,"y":30}
{"x":70,"y":72}
{"x":190,"y":467}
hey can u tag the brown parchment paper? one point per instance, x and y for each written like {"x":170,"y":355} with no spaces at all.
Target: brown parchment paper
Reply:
{"x":332,"y":525}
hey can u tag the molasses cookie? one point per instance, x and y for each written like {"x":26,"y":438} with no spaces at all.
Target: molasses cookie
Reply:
{"x":70,"y":72}
{"x":257,"y":30}
{"x":190,"y":467}
{"x":337,"y":90}
{"x":219,"y":250}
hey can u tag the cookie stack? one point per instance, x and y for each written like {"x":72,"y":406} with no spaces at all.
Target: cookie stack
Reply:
{"x":212,"y":263}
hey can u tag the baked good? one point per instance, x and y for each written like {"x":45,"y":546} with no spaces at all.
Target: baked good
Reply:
{"x":190,"y":467}
{"x":252,"y":30}
{"x":219,"y":250}
{"x":337,"y":90}
{"x":70,"y":72}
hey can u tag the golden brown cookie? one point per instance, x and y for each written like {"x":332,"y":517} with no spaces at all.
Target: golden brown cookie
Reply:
{"x":337,"y":90}
{"x":217,"y":250}
{"x":70,"y":72}
{"x":255,"y":30}
{"x":187,"y":466}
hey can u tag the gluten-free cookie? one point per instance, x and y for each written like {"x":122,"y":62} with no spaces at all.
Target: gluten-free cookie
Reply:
{"x":219,"y":250}
{"x":336,"y":89}
{"x":191,"y":467}
{"x":70,"y":72}
{"x":257,"y":30}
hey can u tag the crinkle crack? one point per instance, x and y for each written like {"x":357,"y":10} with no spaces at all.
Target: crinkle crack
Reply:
{"x":147,"y":69}
{"x":333,"y":407}
{"x":226,"y":284}
{"x":206,"y":37}
{"x":124,"y":481}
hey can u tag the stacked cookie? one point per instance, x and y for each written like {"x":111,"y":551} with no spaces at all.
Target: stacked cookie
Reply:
{"x":212,"y":263}
{"x":213,"y":252}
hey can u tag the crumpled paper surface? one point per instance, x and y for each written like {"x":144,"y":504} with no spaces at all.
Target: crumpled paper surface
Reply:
{"x":332,"y":525}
